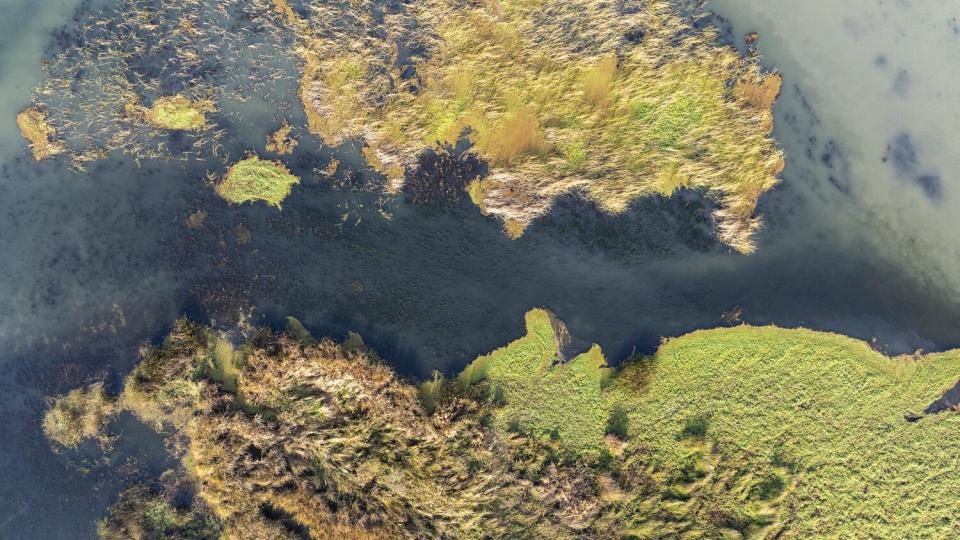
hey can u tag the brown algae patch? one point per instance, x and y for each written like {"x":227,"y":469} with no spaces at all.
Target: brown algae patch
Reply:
{"x":255,"y":179}
{"x":40,"y":134}
{"x":614,"y":103}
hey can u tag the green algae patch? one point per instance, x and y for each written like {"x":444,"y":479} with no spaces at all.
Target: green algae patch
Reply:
{"x":179,"y":113}
{"x":39,"y":133}
{"x":255,"y":179}
{"x":80,"y":415}
{"x":556,"y":97}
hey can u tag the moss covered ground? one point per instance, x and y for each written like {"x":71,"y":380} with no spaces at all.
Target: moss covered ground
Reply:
{"x":255,"y":179}
{"x":757,"y":432}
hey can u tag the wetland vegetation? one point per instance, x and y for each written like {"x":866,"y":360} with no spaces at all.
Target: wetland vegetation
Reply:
{"x":615,"y":101}
{"x":255,"y":179}
{"x":517,"y":106}
{"x":755,"y":431}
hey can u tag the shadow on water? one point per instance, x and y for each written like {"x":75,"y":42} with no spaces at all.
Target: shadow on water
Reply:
{"x":96,"y":264}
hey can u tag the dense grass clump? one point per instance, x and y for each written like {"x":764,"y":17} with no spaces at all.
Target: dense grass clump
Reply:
{"x":617,"y":100}
{"x":738,"y":432}
{"x":543,"y":397}
{"x":179,"y":113}
{"x":39,"y":133}
{"x":79,"y":415}
{"x":147,"y":511}
{"x":255,"y":179}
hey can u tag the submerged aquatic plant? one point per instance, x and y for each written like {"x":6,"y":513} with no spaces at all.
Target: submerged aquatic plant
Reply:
{"x":180,"y":56}
{"x":255,"y":179}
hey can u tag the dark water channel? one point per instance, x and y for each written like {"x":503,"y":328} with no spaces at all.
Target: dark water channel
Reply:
{"x":96,"y":264}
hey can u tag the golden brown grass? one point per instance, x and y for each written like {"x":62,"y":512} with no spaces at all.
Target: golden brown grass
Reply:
{"x":280,"y":141}
{"x":39,"y":133}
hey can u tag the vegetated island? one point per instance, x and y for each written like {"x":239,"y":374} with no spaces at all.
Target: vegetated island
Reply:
{"x":734,"y":432}
{"x":615,"y":100}
{"x":255,"y":179}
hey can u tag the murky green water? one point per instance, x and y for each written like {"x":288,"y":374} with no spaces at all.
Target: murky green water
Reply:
{"x":94,"y":264}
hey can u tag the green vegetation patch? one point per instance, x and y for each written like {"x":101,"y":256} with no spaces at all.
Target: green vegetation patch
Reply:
{"x":814,"y":421}
{"x":555,"y":96}
{"x":147,"y":511}
{"x":819,"y":417}
{"x":179,"y":112}
{"x":255,"y":179}
{"x":542,"y":397}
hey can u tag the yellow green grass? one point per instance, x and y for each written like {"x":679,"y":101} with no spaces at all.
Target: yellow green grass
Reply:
{"x":556,"y":98}
{"x":79,"y":415}
{"x":825,"y":408}
{"x":541,"y":397}
{"x":179,"y":113}
{"x":39,"y":133}
{"x":255,"y":179}
{"x":821,"y":414}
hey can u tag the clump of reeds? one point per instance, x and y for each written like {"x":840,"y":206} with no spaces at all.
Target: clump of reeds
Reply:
{"x":255,"y":179}
{"x":179,"y":113}
{"x":280,"y":141}
{"x":82,"y":414}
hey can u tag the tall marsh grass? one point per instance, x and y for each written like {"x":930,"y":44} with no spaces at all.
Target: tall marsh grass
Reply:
{"x":613,"y":100}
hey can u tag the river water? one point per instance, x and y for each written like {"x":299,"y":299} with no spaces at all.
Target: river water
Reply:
{"x":859,"y":240}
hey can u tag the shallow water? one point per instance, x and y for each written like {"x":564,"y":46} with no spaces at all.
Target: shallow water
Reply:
{"x":95,"y":264}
